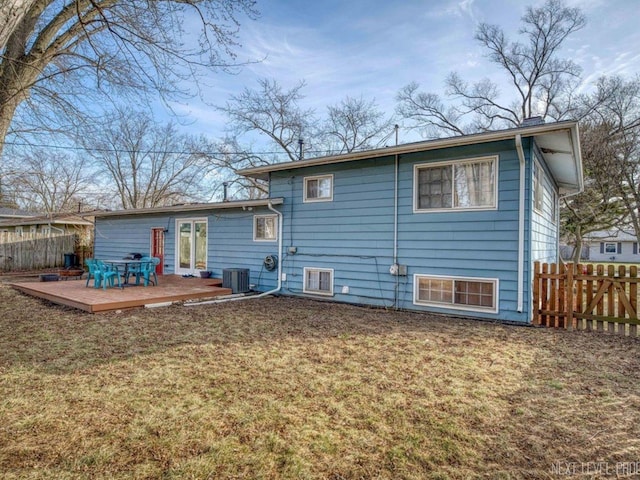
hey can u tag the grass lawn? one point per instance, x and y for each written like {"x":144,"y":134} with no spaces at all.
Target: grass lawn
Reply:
{"x":289,"y":388}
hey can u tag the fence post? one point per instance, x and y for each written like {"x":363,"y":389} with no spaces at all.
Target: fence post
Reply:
{"x":622,"y":275}
{"x":544,"y":292}
{"x":611,"y":305}
{"x":536,"y":293}
{"x":554,"y":295}
{"x":633,"y":298}
{"x":561,"y":307}
{"x":570,"y":298}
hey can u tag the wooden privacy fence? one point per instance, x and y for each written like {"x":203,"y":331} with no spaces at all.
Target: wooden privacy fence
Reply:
{"x":586,"y":297}
{"x":34,"y":252}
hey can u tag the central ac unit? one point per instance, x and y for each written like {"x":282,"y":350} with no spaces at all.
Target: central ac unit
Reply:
{"x":237,"y":279}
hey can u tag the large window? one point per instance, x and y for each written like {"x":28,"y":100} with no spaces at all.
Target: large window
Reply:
{"x":265,"y":228}
{"x":318,"y":188}
{"x":318,"y":281}
{"x":456,"y":292}
{"x":456,"y":185}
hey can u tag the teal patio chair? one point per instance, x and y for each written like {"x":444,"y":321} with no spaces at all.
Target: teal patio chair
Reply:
{"x":94,"y":272}
{"x":148,"y":269}
{"x":108,"y":275}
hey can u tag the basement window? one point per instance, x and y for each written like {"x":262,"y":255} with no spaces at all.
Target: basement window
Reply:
{"x":475,"y":294}
{"x":318,"y":281}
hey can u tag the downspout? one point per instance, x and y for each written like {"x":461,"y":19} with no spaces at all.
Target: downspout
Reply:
{"x":395,"y":231}
{"x":264,"y":294}
{"x":395,"y":214}
{"x":521,"y":212}
{"x":56,"y":228}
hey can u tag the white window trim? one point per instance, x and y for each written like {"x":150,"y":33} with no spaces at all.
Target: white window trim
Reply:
{"x":454,"y":306}
{"x":177,"y":270}
{"x":255,"y":228}
{"x":554,"y":208}
{"x":306,"y":199}
{"x":539,"y":174}
{"x":459,"y":161}
{"x":316,"y":292}
{"x":615,"y":248}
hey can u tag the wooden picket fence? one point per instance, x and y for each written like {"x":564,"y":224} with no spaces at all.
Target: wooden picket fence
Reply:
{"x":586,"y":297}
{"x":35,"y":252}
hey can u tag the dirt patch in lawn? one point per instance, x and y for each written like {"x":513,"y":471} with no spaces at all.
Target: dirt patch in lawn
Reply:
{"x":291,"y":388}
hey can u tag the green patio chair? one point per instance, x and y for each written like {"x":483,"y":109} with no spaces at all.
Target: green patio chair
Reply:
{"x":94,"y":272}
{"x":148,"y":269}
{"x":108,"y":275}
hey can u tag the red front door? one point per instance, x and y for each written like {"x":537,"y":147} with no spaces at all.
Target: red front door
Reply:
{"x":157,"y":247}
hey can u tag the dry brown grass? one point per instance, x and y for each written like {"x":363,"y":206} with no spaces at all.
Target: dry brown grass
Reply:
{"x":289,"y":388}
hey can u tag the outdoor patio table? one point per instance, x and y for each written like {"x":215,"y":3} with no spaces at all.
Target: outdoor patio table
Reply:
{"x":127,"y":264}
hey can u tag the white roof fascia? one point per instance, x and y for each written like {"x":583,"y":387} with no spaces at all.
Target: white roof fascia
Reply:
{"x":569,"y":127}
{"x":195,"y":207}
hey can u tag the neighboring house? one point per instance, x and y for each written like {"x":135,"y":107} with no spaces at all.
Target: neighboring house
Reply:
{"x":450,"y":225}
{"x":57,"y":224}
{"x":612,"y":247}
{"x":7,"y":213}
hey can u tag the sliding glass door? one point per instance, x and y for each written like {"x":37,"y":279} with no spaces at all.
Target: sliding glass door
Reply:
{"x":191,"y":246}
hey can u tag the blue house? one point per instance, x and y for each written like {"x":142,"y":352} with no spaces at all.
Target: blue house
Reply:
{"x":449,"y":225}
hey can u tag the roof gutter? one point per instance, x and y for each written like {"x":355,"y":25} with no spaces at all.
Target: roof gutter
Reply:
{"x":264,"y":294}
{"x":485,"y":137}
{"x":521,"y":208}
{"x":196,"y":207}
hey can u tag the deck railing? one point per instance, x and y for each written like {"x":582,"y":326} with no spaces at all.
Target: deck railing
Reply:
{"x":586,"y":297}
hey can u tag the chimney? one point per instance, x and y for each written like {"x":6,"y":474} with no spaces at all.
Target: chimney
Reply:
{"x":531,"y":121}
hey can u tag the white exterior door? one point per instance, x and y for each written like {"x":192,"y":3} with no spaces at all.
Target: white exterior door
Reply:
{"x":191,"y":245}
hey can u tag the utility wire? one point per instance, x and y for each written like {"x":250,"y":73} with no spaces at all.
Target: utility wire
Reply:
{"x":177,"y":152}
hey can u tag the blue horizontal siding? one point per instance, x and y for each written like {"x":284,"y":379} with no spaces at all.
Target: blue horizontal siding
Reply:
{"x":353,"y":234}
{"x":229,"y":241}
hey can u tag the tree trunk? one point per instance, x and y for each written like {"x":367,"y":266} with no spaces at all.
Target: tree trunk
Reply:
{"x":11,"y":14}
{"x":577,"y":251}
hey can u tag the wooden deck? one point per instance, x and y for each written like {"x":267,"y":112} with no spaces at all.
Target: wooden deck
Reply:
{"x":170,"y":288}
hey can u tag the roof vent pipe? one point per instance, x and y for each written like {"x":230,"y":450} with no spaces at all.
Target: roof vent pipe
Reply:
{"x":225,"y":186}
{"x":301,"y":144}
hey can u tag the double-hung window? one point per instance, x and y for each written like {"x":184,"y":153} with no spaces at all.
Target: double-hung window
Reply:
{"x":318,"y":281}
{"x":318,"y":188}
{"x":456,"y":292}
{"x":456,"y":185}
{"x":265,"y":228}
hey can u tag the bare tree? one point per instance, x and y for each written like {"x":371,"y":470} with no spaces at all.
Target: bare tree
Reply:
{"x":149,"y":165}
{"x":50,"y":183}
{"x":98,"y":47}
{"x":610,"y":138}
{"x":599,"y":206}
{"x":274,"y":113}
{"x":277,"y":115}
{"x":356,"y":124}
{"x":542,"y":82}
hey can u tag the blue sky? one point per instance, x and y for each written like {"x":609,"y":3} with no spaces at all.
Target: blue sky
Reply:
{"x":373,"y":48}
